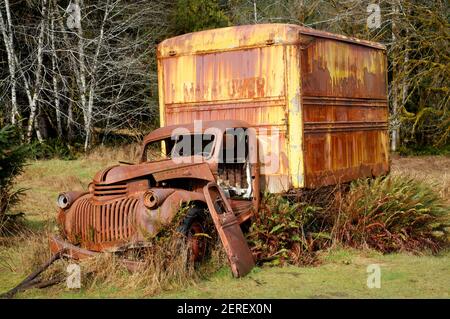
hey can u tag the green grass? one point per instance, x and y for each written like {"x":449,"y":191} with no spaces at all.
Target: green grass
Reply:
{"x":341,"y":273}
{"x":45,"y":179}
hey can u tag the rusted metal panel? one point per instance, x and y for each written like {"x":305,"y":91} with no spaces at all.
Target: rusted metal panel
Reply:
{"x":233,"y":240}
{"x":246,"y":36}
{"x":221,"y":85}
{"x":294,"y":117}
{"x":226,"y":76}
{"x":345,"y":111}
{"x":160,"y":169}
{"x":200,"y":171}
{"x":336,"y":69}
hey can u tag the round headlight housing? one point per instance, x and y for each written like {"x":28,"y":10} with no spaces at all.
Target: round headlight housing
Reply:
{"x":63,"y":201}
{"x":66,"y":199}
{"x":150,"y":200}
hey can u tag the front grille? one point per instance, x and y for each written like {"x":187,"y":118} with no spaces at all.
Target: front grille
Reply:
{"x":110,"y":190}
{"x":99,"y":223}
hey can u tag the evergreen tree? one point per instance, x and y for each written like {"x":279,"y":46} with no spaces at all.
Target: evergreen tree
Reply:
{"x":12,"y":161}
{"x":196,"y":15}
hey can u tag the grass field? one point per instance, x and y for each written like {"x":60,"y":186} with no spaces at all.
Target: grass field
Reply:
{"x":340,"y":274}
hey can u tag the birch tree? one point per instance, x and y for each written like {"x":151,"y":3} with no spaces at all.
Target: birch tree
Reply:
{"x":8,"y":39}
{"x":34,"y":92}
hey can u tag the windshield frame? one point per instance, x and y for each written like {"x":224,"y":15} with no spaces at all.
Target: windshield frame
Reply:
{"x":160,"y":139}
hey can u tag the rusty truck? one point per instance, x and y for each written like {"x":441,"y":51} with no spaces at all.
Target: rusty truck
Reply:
{"x":313,"y":102}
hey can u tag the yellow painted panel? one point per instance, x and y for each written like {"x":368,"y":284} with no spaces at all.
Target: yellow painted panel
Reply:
{"x":223,"y":76}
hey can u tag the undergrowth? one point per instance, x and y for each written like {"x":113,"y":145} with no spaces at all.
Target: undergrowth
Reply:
{"x":166,"y":263}
{"x":393,"y":214}
{"x":285,"y":232}
{"x":388,"y":214}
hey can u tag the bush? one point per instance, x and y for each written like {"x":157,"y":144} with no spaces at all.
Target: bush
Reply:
{"x":52,"y":148}
{"x":417,"y":150}
{"x":389,"y":214}
{"x":12,"y":160}
{"x":392,"y":214}
{"x":286,"y":232}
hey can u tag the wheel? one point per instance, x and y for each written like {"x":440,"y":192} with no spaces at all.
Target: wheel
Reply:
{"x":245,"y":226}
{"x":193,"y":226}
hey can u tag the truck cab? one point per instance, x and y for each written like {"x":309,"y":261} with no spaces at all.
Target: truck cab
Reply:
{"x":127,"y":205}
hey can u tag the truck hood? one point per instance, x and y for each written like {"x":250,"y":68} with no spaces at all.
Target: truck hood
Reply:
{"x":160,"y":170}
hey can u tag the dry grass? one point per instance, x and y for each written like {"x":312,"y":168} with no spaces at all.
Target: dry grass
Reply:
{"x":166,"y":264}
{"x":128,"y":153}
{"x":433,"y":170}
{"x":166,"y":267}
{"x":26,"y":252}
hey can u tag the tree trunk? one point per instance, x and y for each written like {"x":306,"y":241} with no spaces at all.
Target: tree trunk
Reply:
{"x":54,"y":75}
{"x":92,"y":84}
{"x":70,"y":121}
{"x":37,"y":84}
{"x":395,"y":122}
{"x":82,"y":81}
{"x":9,"y":44}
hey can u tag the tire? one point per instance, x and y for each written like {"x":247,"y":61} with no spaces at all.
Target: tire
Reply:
{"x":195,"y":223}
{"x":245,"y":226}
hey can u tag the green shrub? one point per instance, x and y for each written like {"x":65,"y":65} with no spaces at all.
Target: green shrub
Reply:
{"x":417,"y":150}
{"x":52,"y":148}
{"x":12,"y":160}
{"x":285,"y":232}
{"x":391,"y":214}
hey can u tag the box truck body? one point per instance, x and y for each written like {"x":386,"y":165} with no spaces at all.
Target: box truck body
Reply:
{"x":317,"y":100}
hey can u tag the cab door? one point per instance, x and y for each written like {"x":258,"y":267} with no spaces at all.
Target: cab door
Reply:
{"x":238,"y":171}
{"x":230,"y":233}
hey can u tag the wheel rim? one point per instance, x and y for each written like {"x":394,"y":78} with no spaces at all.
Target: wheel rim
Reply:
{"x":197,"y":243}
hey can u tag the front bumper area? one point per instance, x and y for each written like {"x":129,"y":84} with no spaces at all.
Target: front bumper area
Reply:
{"x":74,"y":252}
{"x":77,"y":253}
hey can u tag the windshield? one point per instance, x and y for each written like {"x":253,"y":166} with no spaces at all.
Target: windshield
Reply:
{"x":179,"y":146}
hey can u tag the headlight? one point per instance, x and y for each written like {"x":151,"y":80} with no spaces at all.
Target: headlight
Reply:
{"x":63,"y":201}
{"x":150,"y":200}
{"x":155,"y":197}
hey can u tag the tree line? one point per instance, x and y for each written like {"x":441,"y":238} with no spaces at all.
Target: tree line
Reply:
{"x":81,"y":70}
